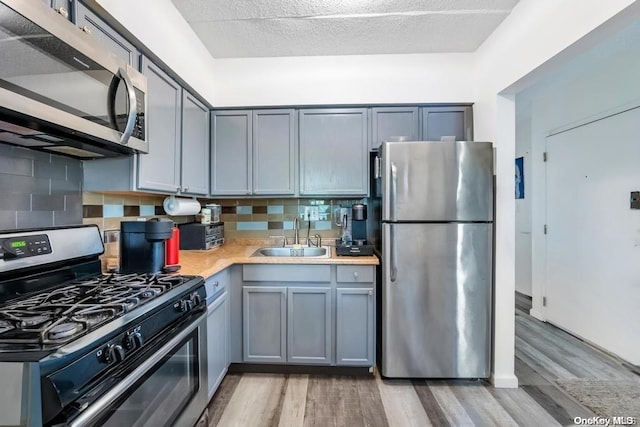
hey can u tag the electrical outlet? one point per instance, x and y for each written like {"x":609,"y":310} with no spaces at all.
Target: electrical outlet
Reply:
{"x":311,"y":213}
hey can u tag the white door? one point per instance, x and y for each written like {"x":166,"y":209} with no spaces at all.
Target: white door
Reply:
{"x":593,"y":240}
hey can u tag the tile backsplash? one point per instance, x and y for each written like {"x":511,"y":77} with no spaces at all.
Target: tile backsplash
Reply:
{"x":38,"y":189}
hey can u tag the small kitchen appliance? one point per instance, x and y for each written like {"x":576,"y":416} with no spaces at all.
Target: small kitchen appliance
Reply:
{"x":142,"y":245}
{"x":201,"y":236}
{"x":81,"y":348}
{"x":358,"y":245}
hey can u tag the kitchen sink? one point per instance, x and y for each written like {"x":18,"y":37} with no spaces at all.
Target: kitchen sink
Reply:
{"x":294,"y":251}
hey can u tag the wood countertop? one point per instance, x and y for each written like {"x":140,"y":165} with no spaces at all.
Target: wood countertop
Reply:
{"x":209,"y":262}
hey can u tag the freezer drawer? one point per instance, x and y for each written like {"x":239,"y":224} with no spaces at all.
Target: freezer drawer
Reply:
{"x":436,"y":300}
{"x":437,"y":181}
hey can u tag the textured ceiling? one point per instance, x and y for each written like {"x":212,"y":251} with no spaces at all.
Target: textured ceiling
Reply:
{"x":256,"y":28}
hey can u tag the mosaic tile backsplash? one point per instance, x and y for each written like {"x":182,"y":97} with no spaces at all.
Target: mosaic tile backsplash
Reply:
{"x":243,"y":218}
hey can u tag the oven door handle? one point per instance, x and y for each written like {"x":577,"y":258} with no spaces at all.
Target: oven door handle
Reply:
{"x":101,"y":404}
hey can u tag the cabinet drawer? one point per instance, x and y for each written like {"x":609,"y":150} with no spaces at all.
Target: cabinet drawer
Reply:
{"x":286,"y":273}
{"x":216,"y":284}
{"x":355,"y":274}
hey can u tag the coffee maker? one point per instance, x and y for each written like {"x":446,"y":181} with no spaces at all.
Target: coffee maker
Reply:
{"x":142,"y":245}
{"x":358,"y":246}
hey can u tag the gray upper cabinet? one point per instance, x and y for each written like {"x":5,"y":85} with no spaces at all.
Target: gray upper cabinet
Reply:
{"x":274,"y":152}
{"x":334,"y":152}
{"x":160,"y":168}
{"x":309,"y":325}
{"x":438,"y":122}
{"x":264,"y":327}
{"x":390,"y":122}
{"x":231,"y":154}
{"x":106,"y":36}
{"x":195,"y":146}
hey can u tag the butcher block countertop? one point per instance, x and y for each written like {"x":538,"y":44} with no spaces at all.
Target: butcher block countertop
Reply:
{"x":207,"y":263}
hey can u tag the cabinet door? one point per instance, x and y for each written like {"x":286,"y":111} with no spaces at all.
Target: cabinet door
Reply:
{"x":63,"y":7}
{"x":106,"y":36}
{"x":333,"y":152}
{"x":309,"y":325}
{"x":447,"y":121}
{"x":231,"y":155}
{"x":394,"y":122}
{"x":160,"y":168}
{"x":274,"y":151}
{"x":217,"y":341}
{"x":354,"y":326}
{"x":264,"y":327}
{"x":195,"y":146}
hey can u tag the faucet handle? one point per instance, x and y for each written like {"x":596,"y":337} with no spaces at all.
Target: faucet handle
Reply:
{"x":318,"y":242}
{"x":283,"y":237}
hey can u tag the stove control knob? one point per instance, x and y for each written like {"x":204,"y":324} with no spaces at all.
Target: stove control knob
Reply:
{"x":196,"y":299}
{"x":112,"y":353}
{"x":185,"y":305}
{"x":133,"y":340}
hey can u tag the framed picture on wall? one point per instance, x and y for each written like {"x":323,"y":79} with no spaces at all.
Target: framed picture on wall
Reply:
{"x":520,"y":178}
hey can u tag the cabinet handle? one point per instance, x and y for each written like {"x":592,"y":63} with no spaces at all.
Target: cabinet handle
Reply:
{"x":177,"y":189}
{"x":216,"y":284}
{"x":86,"y":29}
{"x":185,"y":189}
{"x":356,"y":274}
{"x":63,"y":11}
{"x":370,"y":292}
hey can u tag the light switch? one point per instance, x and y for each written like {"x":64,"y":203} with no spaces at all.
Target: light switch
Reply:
{"x":635,"y":200}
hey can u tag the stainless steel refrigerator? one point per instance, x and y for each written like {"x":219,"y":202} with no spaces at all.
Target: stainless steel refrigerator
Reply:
{"x":437,"y":235}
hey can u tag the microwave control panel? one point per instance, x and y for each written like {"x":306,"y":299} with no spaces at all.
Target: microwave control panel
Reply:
{"x":25,"y":246}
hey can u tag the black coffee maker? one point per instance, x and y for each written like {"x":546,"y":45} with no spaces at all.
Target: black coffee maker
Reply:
{"x":358,"y":246}
{"x":142,"y":245}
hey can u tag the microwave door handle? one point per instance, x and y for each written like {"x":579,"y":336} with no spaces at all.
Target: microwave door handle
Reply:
{"x":131,"y":118}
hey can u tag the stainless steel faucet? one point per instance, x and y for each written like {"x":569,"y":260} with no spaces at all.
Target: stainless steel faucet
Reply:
{"x":296,"y":238}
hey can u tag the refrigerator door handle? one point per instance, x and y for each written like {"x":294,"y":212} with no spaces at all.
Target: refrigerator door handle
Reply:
{"x":394,"y":254}
{"x":394,"y":191}
{"x":376,"y":168}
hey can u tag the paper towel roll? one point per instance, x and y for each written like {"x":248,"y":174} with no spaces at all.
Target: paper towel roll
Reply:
{"x":174,"y":206}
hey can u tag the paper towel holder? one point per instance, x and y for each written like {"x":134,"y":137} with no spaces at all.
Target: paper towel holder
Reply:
{"x":171,"y":201}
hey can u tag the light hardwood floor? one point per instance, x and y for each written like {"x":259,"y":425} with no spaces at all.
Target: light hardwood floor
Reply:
{"x":544,"y":355}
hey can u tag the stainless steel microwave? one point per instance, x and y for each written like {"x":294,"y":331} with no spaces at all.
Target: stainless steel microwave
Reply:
{"x":62,"y":92}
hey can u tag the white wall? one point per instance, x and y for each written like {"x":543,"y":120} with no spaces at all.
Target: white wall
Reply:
{"x":523,"y":206}
{"x":593,"y":83}
{"x":159,"y":25}
{"x":344,"y":79}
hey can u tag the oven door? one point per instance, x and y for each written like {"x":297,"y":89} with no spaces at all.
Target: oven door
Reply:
{"x":166,"y":387}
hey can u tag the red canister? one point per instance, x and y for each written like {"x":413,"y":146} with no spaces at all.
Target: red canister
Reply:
{"x":172,"y":252}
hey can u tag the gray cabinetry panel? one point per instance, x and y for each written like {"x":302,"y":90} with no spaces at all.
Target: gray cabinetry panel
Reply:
{"x":65,"y":4}
{"x":217,"y":342}
{"x":309,"y":325}
{"x":355,"y":274}
{"x":333,"y":152}
{"x":354,"y":326}
{"x":106,"y":36}
{"x":289,"y":273}
{"x":231,"y":155}
{"x":264,"y":328}
{"x":195,"y":146}
{"x":274,"y":152}
{"x":160,"y":168}
{"x":447,"y":121}
{"x":388,"y":122}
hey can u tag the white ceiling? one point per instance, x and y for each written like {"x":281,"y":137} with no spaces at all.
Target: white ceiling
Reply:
{"x":259,"y":28}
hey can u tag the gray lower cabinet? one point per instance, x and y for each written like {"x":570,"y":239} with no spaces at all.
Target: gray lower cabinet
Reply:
{"x":160,"y":168}
{"x":389,"y":123}
{"x":217,"y":341}
{"x":355,"y":326}
{"x":194,"y":163}
{"x":451,"y":121}
{"x":264,"y":326}
{"x":253,"y":152}
{"x":309,"y":325}
{"x":90,"y":23}
{"x":334,"y":147}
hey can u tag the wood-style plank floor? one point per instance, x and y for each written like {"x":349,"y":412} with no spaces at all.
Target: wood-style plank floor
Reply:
{"x":544,"y":354}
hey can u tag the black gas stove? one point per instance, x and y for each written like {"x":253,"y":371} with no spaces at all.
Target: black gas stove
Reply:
{"x":82,"y":333}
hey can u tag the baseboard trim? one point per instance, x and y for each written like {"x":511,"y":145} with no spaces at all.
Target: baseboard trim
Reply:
{"x":504,"y":381}
{"x":536,"y":314}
